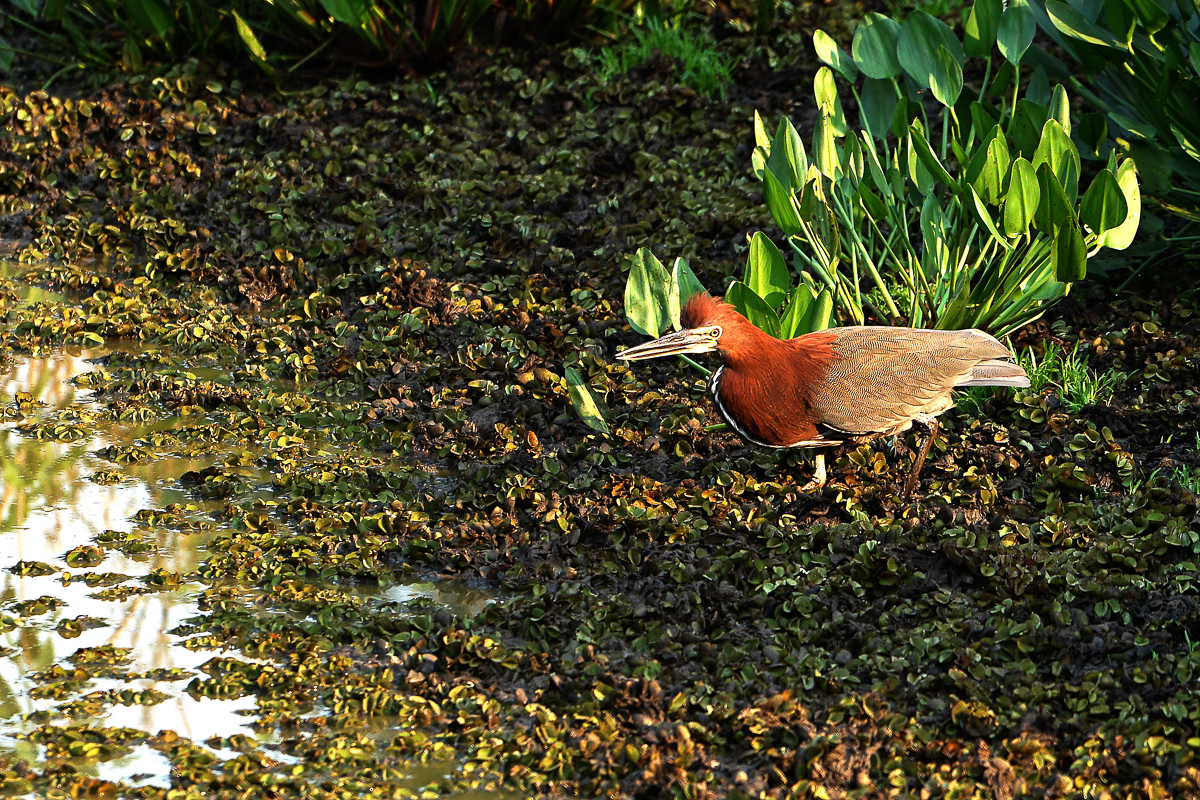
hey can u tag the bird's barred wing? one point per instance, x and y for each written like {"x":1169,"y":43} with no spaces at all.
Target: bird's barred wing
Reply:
{"x":883,"y":377}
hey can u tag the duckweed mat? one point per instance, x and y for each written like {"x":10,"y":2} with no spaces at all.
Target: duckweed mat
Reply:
{"x":356,"y":302}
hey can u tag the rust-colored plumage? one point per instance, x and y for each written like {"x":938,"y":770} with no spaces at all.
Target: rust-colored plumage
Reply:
{"x":820,"y":388}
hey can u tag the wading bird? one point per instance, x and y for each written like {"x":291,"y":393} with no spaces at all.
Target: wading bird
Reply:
{"x":843,"y":382}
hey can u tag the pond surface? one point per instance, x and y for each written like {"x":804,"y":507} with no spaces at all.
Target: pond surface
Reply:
{"x":64,"y":592}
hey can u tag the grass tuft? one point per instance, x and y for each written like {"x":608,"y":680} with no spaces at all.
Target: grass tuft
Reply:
{"x":701,"y":66}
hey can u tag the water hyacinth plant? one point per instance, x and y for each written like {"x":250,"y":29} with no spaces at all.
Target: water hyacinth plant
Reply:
{"x":971,"y":218}
{"x":1145,"y":58}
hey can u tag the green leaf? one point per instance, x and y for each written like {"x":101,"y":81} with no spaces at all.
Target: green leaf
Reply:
{"x":684,"y":284}
{"x":1120,"y":237}
{"x":760,"y":132}
{"x":1194,"y":56}
{"x":1021,"y":201}
{"x":925,"y":153}
{"x":646,"y":303}
{"x":766,"y":271}
{"x":825,"y":153}
{"x":348,"y":12}
{"x":990,"y":181}
{"x":584,"y":403}
{"x":1054,"y":208}
{"x":918,"y":173}
{"x":787,"y":159}
{"x":871,"y":203}
{"x":249,"y":39}
{"x":819,"y":313}
{"x":1026,"y":130}
{"x":152,"y":16}
{"x":1015,"y":34}
{"x":797,"y":310}
{"x":985,"y":216}
{"x":1073,"y":23}
{"x":917,"y":47}
{"x":1060,"y":109}
{"x":826,"y":94}
{"x":946,"y":79}
{"x":781,"y":204}
{"x":1057,"y":150}
{"x":871,"y":157}
{"x":979,"y":34}
{"x":1069,"y":254}
{"x":874,"y":46}
{"x":831,"y":54}
{"x":877,"y":105}
{"x":6,"y":55}
{"x":1103,"y":207}
{"x":1091,"y":131}
{"x":753,"y":307}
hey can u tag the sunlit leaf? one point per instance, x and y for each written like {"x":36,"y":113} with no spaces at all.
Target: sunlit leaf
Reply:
{"x":766,"y":271}
{"x":1103,"y":206}
{"x":584,"y":403}
{"x":1015,"y":34}
{"x":753,"y":307}
{"x":646,"y":305}
{"x":829,"y":53}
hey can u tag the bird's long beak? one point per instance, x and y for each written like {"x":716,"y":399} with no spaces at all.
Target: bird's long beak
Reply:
{"x":673,"y":344}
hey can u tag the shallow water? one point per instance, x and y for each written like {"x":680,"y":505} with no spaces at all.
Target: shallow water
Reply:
{"x":49,"y":506}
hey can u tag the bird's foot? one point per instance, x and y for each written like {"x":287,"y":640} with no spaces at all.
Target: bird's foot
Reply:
{"x":819,"y":477}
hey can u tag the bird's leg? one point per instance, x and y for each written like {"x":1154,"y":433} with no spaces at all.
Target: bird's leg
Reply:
{"x":819,"y":477}
{"x":931,"y":423}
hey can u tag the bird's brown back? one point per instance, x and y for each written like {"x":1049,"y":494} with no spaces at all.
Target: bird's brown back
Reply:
{"x":883,"y":377}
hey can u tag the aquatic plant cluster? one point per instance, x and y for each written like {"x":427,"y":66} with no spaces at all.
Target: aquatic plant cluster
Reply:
{"x":394,"y":278}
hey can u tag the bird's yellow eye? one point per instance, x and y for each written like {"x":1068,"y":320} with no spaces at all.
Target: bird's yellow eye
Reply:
{"x":714,"y":332}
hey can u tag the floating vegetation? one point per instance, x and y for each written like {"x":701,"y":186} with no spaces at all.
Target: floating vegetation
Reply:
{"x":355,"y":308}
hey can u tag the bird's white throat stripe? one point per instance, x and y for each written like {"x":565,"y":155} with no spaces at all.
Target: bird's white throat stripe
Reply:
{"x":713,"y":388}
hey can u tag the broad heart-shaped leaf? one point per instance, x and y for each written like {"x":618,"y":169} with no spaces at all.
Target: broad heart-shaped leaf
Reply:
{"x":1057,"y":150}
{"x":781,"y":204}
{"x":766,"y":271}
{"x":1021,"y":201}
{"x":1120,"y":237}
{"x":831,"y":54}
{"x":925,"y":153}
{"x":798,"y":305}
{"x":684,"y":284}
{"x":584,"y":403}
{"x":787,"y":160}
{"x":1103,"y":207}
{"x":1015,"y":34}
{"x":1054,"y":209}
{"x":917,"y":47}
{"x":877,"y":105}
{"x":979,"y":34}
{"x":874,"y":46}
{"x":1073,"y":23}
{"x":946,"y":79}
{"x":753,"y":307}
{"x":646,"y":305}
{"x":1069,"y":253}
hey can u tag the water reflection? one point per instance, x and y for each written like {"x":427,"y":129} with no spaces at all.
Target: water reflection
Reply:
{"x":48,"y":507}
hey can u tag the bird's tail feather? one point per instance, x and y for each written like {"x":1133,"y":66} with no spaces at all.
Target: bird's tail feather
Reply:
{"x":997,"y":372}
